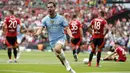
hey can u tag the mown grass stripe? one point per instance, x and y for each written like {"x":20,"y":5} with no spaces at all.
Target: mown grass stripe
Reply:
{"x":18,"y":71}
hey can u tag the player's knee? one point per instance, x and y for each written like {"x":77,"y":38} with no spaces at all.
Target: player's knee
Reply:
{"x":57,"y":50}
{"x":9,"y":50}
{"x":14,"y":50}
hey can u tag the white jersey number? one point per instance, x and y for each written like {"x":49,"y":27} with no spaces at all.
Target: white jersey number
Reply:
{"x":13,"y":23}
{"x":97,"y":25}
{"x":74,"y":26}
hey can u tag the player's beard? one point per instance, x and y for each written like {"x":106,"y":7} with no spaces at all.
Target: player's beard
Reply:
{"x":52,"y":13}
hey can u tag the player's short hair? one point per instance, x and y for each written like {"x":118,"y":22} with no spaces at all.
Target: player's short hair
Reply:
{"x":111,"y":48}
{"x":11,"y":12}
{"x":117,"y":43}
{"x":51,"y":2}
{"x":74,"y":15}
{"x":102,"y":14}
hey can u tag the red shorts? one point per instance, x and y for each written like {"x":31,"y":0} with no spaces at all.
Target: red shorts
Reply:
{"x":122,"y":59}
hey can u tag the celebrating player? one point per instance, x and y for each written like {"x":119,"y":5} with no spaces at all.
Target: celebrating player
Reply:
{"x":55,"y":25}
{"x":10,"y":30}
{"x":21,"y":29}
{"x":97,"y":29}
{"x":77,"y":32}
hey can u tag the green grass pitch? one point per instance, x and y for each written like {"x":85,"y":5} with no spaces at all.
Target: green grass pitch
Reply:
{"x":46,"y":62}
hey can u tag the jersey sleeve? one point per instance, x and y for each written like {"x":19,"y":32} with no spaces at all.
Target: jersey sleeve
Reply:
{"x":79,"y":24}
{"x":104,"y":22}
{"x":116,"y":50}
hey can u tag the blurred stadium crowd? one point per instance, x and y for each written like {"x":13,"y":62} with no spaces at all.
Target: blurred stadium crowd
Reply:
{"x":32,"y":11}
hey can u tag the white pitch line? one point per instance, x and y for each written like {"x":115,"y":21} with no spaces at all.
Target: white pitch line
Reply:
{"x":18,"y":71}
{"x":108,"y":72}
{"x":32,"y":63}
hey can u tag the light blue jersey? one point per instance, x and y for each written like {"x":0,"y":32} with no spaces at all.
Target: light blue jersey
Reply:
{"x":20,"y":36}
{"x":55,"y":27}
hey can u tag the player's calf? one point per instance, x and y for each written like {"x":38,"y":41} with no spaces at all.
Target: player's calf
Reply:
{"x":98,"y":58}
{"x":9,"y":53}
{"x":15,"y":52}
{"x":60,"y":60}
{"x":76,"y":57}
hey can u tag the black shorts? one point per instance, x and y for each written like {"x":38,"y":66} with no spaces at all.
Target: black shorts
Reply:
{"x":75,"y":41}
{"x":98,"y":42}
{"x":11,"y":41}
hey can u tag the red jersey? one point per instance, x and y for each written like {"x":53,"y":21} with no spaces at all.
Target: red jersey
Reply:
{"x":98,"y":25}
{"x":11,"y":23}
{"x":121,"y":52}
{"x":75,"y":26}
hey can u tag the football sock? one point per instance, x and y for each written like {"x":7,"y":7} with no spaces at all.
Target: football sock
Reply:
{"x":78,"y":50}
{"x":91,"y":56}
{"x":60,"y":59}
{"x":18,"y":52}
{"x":15,"y":52}
{"x":62,"y":55}
{"x":74,"y":52}
{"x":75,"y":57}
{"x":98,"y":57}
{"x":9,"y":52}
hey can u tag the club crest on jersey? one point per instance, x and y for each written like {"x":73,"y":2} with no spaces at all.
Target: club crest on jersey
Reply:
{"x":52,"y":21}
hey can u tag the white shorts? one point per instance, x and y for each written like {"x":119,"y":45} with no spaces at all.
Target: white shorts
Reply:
{"x":60,"y":41}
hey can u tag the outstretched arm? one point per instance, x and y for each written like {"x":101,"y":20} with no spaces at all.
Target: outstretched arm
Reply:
{"x":22,"y":29}
{"x":110,"y":56}
{"x":69,"y":31}
{"x":39,"y":31}
{"x":81,"y":32}
{"x":106,"y":29}
{"x":4,"y":26}
{"x":89,"y":27}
